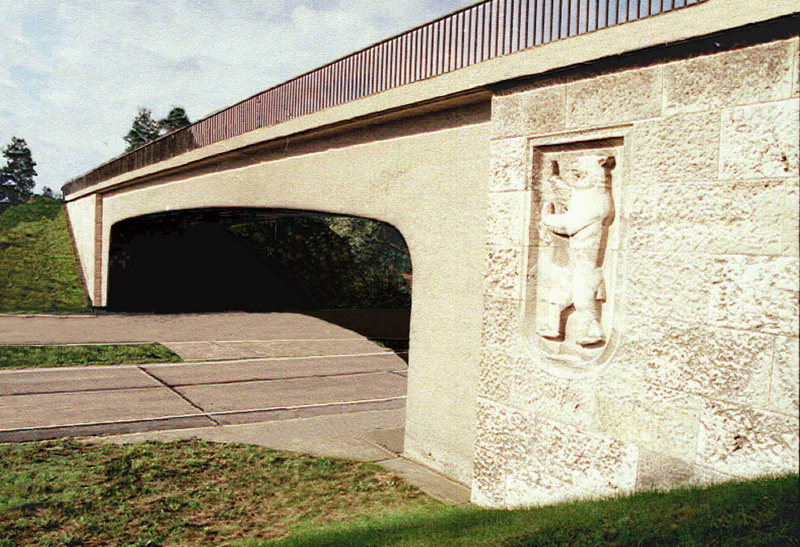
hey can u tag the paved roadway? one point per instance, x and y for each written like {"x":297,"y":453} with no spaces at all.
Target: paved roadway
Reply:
{"x":291,"y":381}
{"x":238,"y":368}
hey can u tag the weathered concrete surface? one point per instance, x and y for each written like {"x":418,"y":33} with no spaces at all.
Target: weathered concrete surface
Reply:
{"x":37,"y":403}
{"x":357,"y":374}
{"x":338,"y":435}
{"x":180,"y":374}
{"x":219,"y":327}
{"x":56,"y":380}
{"x":291,"y":392}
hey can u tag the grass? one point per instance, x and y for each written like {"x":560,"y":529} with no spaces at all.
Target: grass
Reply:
{"x":186,"y":492}
{"x":39,"y":271}
{"x":760,"y":512}
{"x":64,"y":356}
{"x":198,"y":493}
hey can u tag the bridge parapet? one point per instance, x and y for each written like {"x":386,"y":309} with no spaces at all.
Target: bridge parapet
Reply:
{"x":472,"y":35}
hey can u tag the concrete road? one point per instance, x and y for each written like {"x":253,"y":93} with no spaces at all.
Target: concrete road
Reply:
{"x":309,"y":383}
{"x":47,"y":403}
{"x":239,"y":368}
{"x":229,"y":327}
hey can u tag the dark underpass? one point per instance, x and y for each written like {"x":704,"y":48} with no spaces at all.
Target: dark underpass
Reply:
{"x":255,"y":260}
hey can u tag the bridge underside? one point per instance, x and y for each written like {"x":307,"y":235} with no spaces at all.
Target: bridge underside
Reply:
{"x":256,"y":260}
{"x":190,"y":262}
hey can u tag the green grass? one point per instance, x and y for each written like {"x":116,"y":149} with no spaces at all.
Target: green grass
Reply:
{"x":197,"y":493}
{"x":750,"y":513}
{"x":64,"y":356}
{"x":186,"y":492}
{"x":39,"y":271}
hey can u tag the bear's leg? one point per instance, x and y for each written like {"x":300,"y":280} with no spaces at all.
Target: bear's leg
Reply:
{"x":584,"y":294}
{"x":558,"y":290}
{"x":550,"y":322}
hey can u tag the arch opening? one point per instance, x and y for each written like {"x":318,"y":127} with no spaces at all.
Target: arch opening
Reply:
{"x":256,"y":260}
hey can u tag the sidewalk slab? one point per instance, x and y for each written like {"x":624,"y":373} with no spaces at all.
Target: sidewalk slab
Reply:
{"x":308,"y":411}
{"x":60,"y":409}
{"x":198,"y":351}
{"x":263,"y":394}
{"x":390,"y":439}
{"x":186,"y":374}
{"x":303,"y":348}
{"x":432,"y":483}
{"x":331,"y":436}
{"x":29,"y":381}
{"x":108,"y":428}
{"x":185,"y":327}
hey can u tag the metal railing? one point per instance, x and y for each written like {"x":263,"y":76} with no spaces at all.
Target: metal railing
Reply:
{"x":474,"y":34}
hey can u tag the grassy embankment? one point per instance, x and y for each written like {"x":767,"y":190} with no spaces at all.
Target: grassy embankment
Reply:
{"x":38,"y":267}
{"x":198,"y":493}
{"x":39,"y":273}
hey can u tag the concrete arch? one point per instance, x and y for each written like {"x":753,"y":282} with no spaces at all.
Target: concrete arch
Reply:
{"x":426,"y":177}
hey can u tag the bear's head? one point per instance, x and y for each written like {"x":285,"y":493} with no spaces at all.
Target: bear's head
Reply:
{"x":593,"y":171}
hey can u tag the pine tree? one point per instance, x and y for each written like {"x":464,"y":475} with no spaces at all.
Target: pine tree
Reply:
{"x":143,"y":130}
{"x":175,"y":120}
{"x":16,"y":177}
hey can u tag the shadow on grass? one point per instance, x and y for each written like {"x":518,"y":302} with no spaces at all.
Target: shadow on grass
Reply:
{"x":760,"y":512}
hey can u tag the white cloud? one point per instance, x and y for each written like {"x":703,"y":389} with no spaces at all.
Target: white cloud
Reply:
{"x":73,"y":74}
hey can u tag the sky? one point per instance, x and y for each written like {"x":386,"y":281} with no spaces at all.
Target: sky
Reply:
{"x":73,"y":73}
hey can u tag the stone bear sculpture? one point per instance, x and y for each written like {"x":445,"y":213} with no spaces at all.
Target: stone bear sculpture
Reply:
{"x":588,"y":208}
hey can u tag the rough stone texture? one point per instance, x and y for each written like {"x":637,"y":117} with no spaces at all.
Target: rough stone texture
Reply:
{"x":651,"y":417}
{"x":785,"y":377}
{"x":675,"y":149}
{"x":755,"y":293}
{"x":714,"y":363}
{"x":791,"y":224}
{"x":700,"y":382}
{"x":496,"y":374}
{"x":502,"y":319}
{"x":509,"y":165}
{"x":489,"y":480}
{"x":744,"y":442}
{"x":592,"y":464}
{"x":528,"y":113}
{"x":746,"y":76}
{"x":493,"y":442}
{"x":515,"y":464}
{"x":505,"y":274}
{"x":539,"y":393}
{"x":508,"y":218}
{"x":721,"y":217}
{"x":660,"y":472}
{"x":615,"y":98}
{"x":760,"y":141}
{"x":667,"y":285}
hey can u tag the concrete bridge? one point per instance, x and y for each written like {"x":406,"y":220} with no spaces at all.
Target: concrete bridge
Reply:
{"x":603,"y":230}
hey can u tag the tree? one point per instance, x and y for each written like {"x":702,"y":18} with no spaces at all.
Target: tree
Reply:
{"x":143,"y":130}
{"x":49,"y":193}
{"x":146,"y":129}
{"x":16,"y":177}
{"x":175,"y":120}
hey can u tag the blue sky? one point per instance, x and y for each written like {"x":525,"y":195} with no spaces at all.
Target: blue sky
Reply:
{"x":73,"y":73}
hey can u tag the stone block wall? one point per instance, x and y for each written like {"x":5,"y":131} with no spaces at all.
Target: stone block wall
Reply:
{"x":697,"y":381}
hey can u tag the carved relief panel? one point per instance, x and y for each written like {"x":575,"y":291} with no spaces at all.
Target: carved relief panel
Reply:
{"x":574,"y":251}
